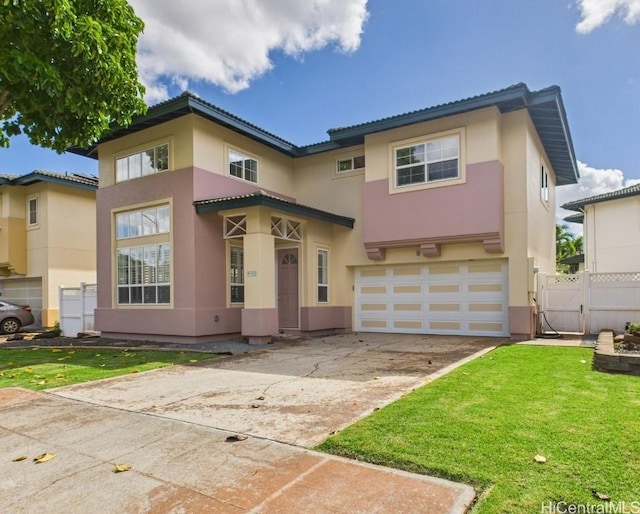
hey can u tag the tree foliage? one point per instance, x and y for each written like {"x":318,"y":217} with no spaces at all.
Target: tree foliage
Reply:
{"x":67,"y":70}
{"x":568,"y":244}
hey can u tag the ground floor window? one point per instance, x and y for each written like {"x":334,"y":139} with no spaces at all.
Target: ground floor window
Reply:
{"x":144,"y":274}
{"x":323,"y":276}
{"x":236,"y":277}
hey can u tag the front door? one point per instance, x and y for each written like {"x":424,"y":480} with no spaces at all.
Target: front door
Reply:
{"x":288,"y":288}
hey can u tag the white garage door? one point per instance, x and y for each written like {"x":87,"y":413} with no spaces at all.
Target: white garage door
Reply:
{"x":469,"y":298}
{"x":24,"y":291}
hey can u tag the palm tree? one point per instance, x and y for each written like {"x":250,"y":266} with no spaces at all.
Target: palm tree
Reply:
{"x":567,"y":245}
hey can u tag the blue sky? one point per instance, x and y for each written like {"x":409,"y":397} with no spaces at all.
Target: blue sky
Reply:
{"x":299,"y":68}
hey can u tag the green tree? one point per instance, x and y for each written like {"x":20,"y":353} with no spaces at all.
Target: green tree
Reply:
{"x":67,"y":70}
{"x":568,"y":244}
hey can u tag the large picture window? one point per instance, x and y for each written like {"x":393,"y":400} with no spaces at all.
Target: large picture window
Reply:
{"x":144,"y":274}
{"x":242,"y":166}
{"x":428,"y":161}
{"x":140,"y":164}
{"x":143,"y":222}
{"x":236,"y":276}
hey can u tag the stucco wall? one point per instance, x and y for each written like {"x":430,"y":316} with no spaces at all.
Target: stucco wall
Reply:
{"x":612,"y":236}
{"x":493,"y":147}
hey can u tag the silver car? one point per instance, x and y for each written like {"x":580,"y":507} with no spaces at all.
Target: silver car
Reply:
{"x":13,"y":317}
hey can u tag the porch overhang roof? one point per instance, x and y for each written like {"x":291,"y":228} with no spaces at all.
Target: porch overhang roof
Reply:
{"x":263,"y":199}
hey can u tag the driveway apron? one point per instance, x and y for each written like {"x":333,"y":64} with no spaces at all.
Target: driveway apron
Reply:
{"x":298,"y":393}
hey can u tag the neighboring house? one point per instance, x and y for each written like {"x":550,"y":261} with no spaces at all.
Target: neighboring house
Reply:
{"x":574,"y":264}
{"x":611,"y":230}
{"x":430,"y":222}
{"x":47,"y":238}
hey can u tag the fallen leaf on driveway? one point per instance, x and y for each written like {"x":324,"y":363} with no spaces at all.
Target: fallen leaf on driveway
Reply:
{"x":45,"y":457}
{"x":236,"y":437}
{"x":18,"y":459}
{"x":120,"y":468}
{"x":540,"y":459}
{"x":260,"y":398}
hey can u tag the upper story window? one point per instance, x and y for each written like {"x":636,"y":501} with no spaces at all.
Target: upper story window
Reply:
{"x":544,"y":184}
{"x":242,"y":166}
{"x":143,"y":222}
{"x":428,"y":161}
{"x":350,"y":164}
{"x":140,"y":164}
{"x":32,"y":211}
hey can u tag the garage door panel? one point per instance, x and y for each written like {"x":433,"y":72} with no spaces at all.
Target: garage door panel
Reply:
{"x":451,"y":298}
{"x":24,"y":291}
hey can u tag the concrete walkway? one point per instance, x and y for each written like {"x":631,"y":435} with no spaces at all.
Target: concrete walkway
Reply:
{"x":181,"y":467}
{"x":172,"y":427}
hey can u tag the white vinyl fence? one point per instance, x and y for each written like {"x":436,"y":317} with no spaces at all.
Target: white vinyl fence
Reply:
{"x":588,"y":302}
{"x":76,"y":308}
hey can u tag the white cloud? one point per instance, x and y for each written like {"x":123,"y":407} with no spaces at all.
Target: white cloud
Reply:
{"x":229,"y":42}
{"x":598,"y":12}
{"x":592,"y":182}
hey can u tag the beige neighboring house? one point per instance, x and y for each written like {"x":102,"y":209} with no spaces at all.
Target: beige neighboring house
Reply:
{"x":47,"y":238}
{"x":611,"y":230}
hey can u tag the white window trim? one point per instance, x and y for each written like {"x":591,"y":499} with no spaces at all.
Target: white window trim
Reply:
{"x":230,"y":283}
{"x":142,"y":148}
{"x":33,"y":198}
{"x":245,"y":155}
{"x":318,"y":283}
{"x":142,"y":285}
{"x":142,"y":240}
{"x":462,"y":166}
{"x":545,"y":190}
{"x":351,"y":158}
{"x":142,"y":211}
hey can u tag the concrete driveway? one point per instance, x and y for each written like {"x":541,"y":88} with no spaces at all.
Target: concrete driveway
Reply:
{"x":173,"y":427}
{"x":297,"y":393}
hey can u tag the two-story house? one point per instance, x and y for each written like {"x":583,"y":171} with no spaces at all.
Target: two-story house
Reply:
{"x":47,"y":238}
{"x":430,"y":222}
{"x":611,"y":230}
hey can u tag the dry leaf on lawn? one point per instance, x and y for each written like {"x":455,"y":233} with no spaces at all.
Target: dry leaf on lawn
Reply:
{"x":540,"y":458}
{"x":120,"y":468}
{"x":45,"y":457}
{"x":601,"y":496}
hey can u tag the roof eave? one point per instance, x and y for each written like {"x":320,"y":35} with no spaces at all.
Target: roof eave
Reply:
{"x":35,"y":177}
{"x":203,"y":206}
{"x":181,"y":106}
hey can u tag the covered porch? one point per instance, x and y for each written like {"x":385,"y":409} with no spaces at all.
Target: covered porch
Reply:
{"x":279,"y":264}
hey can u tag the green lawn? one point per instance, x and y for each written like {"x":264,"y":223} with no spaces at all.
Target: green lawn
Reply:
{"x":484,"y":423}
{"x":43,"y":368}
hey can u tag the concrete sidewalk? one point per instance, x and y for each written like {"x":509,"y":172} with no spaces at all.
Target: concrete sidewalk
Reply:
{"x":182,"y":467}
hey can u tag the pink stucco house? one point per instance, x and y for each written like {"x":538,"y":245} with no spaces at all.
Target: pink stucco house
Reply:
{"x":431,"y":222}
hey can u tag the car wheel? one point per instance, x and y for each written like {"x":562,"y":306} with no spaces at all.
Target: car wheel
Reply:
{"x":9,"y":326}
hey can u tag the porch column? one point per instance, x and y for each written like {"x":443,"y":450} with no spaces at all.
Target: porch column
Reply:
{"x":260,"y":315}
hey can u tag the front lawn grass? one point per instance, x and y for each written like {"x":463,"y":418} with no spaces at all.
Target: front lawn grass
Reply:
{"x":43,"y":368}
{"x":484,"y":423}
